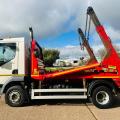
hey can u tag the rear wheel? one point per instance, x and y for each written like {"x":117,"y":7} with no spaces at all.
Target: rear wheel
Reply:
{"x":102,"y":97}
{"x":15,"y":96}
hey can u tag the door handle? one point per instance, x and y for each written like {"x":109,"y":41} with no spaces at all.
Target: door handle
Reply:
{"x":15,"y":71}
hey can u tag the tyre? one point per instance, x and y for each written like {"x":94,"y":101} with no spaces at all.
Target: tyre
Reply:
{"x":102,"y":97}
{"x":15,"y":96}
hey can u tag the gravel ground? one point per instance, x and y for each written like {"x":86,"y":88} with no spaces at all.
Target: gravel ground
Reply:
{"x":59,"y":110}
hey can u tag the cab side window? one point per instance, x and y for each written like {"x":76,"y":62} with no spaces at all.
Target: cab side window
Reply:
{"x":7,"y":52}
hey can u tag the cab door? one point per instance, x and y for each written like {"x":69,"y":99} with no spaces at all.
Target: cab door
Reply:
{"x":8,"y":61}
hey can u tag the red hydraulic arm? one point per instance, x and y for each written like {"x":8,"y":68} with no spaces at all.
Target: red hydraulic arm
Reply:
{"x":85,"y":42}
{"x":35,"y":58}
{"x":111,"y":59}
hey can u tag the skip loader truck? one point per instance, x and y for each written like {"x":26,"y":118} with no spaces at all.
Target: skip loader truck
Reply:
{"x":23,"y":76}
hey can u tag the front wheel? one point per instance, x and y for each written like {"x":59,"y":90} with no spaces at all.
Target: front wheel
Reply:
{"x":15,"y":96}
{"x":102,"y":97}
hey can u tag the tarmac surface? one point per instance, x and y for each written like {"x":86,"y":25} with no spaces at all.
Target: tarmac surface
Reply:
{"x":59,"y":110}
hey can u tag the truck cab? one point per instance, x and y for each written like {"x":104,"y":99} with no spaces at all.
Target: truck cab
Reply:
{"x":12,"y":60}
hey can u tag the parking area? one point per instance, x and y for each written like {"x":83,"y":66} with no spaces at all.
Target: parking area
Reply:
{"x":59,"y":110}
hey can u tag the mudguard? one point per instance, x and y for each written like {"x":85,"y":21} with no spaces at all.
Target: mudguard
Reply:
{"x":100,"y":83}
{"x":12,"y":79}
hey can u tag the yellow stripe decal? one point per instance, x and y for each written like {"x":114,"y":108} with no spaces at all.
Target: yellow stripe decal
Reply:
{"x":75,"y":69}
{"x":106,"y":77}
{"x":12,"y":75}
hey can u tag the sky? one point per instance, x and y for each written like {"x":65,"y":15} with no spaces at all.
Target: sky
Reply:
{"x":55,"y":23}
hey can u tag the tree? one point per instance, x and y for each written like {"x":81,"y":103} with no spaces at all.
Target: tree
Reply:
{"x":50,"y":56}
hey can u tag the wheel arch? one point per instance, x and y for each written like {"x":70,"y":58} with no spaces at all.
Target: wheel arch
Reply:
{"x":106,"y":82}
{"x":13,"y":81}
